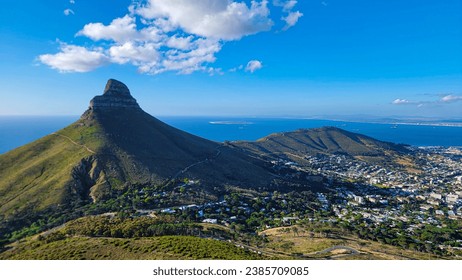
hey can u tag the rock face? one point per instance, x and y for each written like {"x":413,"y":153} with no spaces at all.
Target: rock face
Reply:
{"x":116,"y":95}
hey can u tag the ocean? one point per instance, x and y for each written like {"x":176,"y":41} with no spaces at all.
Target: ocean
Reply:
{"x":17,"y":131}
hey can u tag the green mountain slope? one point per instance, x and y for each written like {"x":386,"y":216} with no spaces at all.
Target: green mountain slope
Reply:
{"x":324,"y":141}
{"x":40,"y":176}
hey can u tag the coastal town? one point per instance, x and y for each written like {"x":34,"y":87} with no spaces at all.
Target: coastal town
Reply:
{"x":391,"y":204}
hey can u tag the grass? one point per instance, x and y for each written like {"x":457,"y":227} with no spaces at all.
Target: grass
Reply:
{"x":37,"y":178}
{"x":164,"y":247}
{"x":408,"y":164}
{"x":304,"y":245}
{"x":36,"y":174}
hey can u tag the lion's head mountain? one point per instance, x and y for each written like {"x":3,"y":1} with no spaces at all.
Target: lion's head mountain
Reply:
{"x":116,"y":146}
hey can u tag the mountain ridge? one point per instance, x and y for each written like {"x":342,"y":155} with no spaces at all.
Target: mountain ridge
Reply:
{"x":324,"y":141}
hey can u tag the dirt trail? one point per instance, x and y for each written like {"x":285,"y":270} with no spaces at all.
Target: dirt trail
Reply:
{"x":75,"y":143}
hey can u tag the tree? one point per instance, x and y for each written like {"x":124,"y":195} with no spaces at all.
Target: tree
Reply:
{"x":295,"y":230}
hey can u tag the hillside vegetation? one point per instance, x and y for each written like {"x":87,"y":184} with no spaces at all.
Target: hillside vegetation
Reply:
{"x":326,"y":140}
{"x":147,"y":248}
{"x":106,"y":237}
{"x":42,"y":177}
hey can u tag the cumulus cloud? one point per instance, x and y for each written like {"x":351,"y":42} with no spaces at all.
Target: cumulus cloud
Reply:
{"x":73,"y":58}
{"x":137,"y":54}
{"x":218,"y":19}
{"x":181,"y":43}
{"x":72,"y":1}
{"x":185,"y":62}
{"x":253,"y":66}
{"x":182,"y":36}
{"x":68,"y":12}
{"x":119,"y":30}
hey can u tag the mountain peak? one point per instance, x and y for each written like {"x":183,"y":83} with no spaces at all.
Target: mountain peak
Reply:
{"x":116,"y":88}
{"x":116,"y":95}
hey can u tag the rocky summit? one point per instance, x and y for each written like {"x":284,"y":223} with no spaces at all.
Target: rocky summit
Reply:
{"x":116,"y":95}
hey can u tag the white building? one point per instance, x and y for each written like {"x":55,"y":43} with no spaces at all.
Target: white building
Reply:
{"x":359,"y":199}
{"x":210,"y":221}
{"x":452,"y":198}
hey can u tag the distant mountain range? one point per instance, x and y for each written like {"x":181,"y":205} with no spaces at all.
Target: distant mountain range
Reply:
{"x":115,"y":146}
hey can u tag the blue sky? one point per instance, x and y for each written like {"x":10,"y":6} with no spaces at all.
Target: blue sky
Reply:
{"x":235,"y":58}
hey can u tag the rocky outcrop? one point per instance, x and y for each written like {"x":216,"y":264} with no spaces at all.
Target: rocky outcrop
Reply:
{"x":116,"y":95}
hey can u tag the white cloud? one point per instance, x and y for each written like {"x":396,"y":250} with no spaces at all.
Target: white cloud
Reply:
{"x":151,"y":34}
{"x":182,"y":36}
{"x":401,"y":101}
{"x":253,"y":66}
{"x":68,"y":12}
{"x":120,"y":30}
{"x":240,"y":67}
{"x":287,"y":5}
{"x":441,"y":101}
{"x":137,"y":54}
{"x":185,"y":62}
{"x":218,"y":19}
{"x":451,"y":98}
{"x":215,"y":71}
{"x":181,"y":43}
{"x":291,"y":19}
{"x":75,"y":59}
{"x":164,"y":25}
{"x":72,"y":1}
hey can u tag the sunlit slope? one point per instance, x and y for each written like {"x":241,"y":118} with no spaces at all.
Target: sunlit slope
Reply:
{"x":42,"y":174}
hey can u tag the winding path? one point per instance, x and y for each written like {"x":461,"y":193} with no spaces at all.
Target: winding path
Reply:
{"x":75,"y":143}
{"x":197,"y":163}
{"x":338,"y":247}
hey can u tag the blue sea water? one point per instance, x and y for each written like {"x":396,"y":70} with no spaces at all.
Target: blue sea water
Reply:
{"x":17,"y":131}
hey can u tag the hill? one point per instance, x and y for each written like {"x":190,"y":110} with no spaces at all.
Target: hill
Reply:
{"x":104,"y":237}
{"x":323,"y":141}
